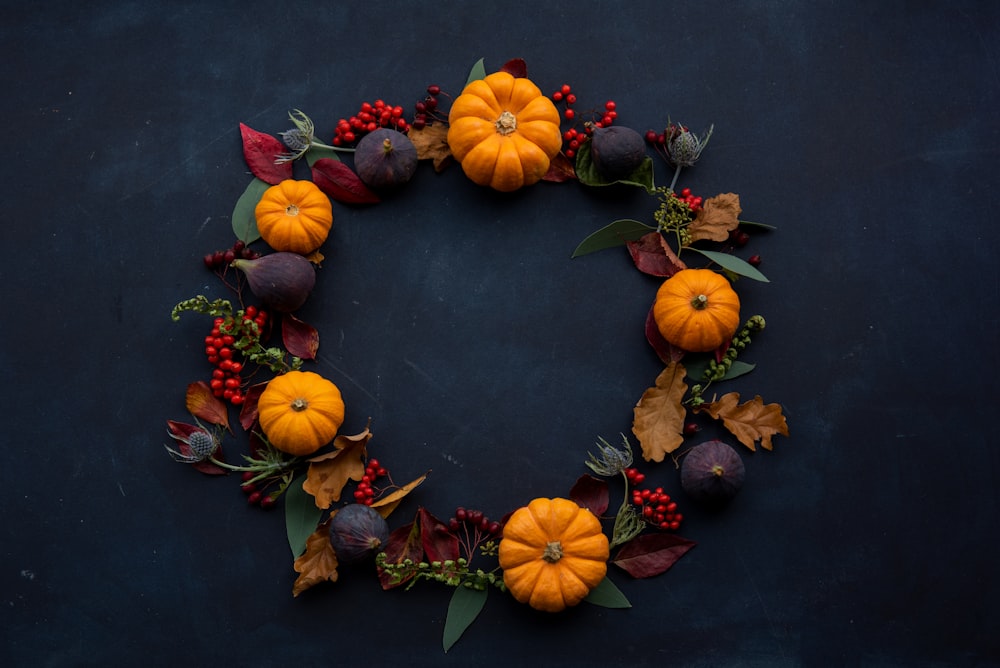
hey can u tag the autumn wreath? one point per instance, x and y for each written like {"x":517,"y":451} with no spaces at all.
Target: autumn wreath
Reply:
{"x":554,"y":552}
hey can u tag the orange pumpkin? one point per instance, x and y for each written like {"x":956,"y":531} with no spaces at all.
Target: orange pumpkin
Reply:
{"x":504,"y":132}
{"x":300,"y":412}
{"x":553,"y":552}
{"x":294,"y":216}
{"x":697,"y":310}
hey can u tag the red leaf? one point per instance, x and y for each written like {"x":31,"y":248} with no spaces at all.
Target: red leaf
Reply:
{"x":561,"y":169}
{"x":651,"y":554}
{"x":300,"y":338}
{"x":248,"y":411}
{"x":517,"y":68}
{"x":664,"y":350}
{"x":202,"y":404}
{"x":340,"y":182}
{"x":260,"y":150}
{"x":653,"y":256}
{"x":591,"y":493}
{"x":438,"y":542}
{"x":404,"y":543}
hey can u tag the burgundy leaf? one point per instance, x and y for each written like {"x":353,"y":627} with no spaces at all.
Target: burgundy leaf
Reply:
{"x":653,"y":256}
{"x":404,"y":543}
{"x":439,"y":543}
{"x":664,"y":350}
{"x":260,"y":151}
{"x":651,"y":554}
{"x":300,"y":338}
{"x":561,"y":169}
{"x":340,"y":182}
{"x":517,"y":68}
{"x":591,"y":493}
{"x":248,"y":411}
{"x":203,"y":404}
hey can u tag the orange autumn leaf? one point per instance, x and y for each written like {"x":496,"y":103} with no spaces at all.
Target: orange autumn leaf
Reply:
{"x":386,"y":504}
{"x":204,"y":405}
{"x":658,"y":420}
{"x":328,"y":473}
{"x":318,"y":563}
{"x":749,"y":422}
{"x":431,"y":143}
{"x":717,"y":217}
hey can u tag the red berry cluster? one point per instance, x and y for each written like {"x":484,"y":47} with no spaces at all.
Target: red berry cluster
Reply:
{"x":370,"y":117}
{"x":656,"y":506}
{"x":256,"y":496}
{"x":221,"y":259}
{"x":573,"y":138}
{"x":474,"y":520}
{"x":694,"y":203}
{"x":366,"y":493}
{"x":226,"y":383}
{"x":426,"y":110}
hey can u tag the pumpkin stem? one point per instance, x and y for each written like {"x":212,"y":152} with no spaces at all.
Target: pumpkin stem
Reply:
{"x":506,"y":124}
{"x":553,"y":552}
{"x":291,"y":210}
{"x":299,"y":404}
{"x":699,"y":302}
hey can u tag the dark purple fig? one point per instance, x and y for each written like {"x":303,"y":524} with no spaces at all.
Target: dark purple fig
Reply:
{"x":385,"y":159}
{"x":357,"y":532}
{"x":712,"y":473}
{"x":616,"y":151}
{"x":281,"y":280}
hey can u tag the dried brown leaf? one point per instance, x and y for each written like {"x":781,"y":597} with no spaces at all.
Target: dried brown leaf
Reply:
{"x":749,"y":422}
{"x":329,"y":473}
{"x":717,"y":217}
{"x":658,"y":420}
{"x":386,"y":504}
{"x":318,"y":563}
{"x":431,"y":143}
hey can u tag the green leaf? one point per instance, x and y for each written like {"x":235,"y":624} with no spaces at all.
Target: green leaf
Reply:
{"x":478,"y":71}
{"x":301,"y":516}
{"x":696,"y":369}
{"x":465,"y":605}
{"x":761,"y":225}
{"x":732,"y":263}
{"x":607,"y":595}
{"x":615,"y":234}
{"x":642,"y":176}
{"x":318,"y":152}
{"x":244,"y":221}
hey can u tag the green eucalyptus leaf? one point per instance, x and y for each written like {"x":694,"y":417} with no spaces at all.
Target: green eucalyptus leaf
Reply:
{"x":244,"y":221}
{"x":478,"y":71}
{"x":733,"y":264}
{"x":607,"y":595}
{"x":318,"y":152}
{"x":615,"y":234}
{"x":760,"y":225}
{"x":696,"y":369}
{"x":465,"y":605}
{"x":301,"y":516}
{"x":642,"y":176}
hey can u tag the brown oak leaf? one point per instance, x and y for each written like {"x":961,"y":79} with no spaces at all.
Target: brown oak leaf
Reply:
{"x":652,"y":255}
{"x":386,"y":504}
{"x":717,"y":217}
{"x":431,"y":143}
{"x":749,"y":422}
{"x":328,"y":473}
{"x":318,"y":563}
{"x":658,"y":420}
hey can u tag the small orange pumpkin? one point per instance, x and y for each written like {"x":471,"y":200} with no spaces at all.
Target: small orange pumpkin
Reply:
{"x":697,"y":310}
{"x":553,"y":552}
{"x":504,"y":132}
{"x":300,"y":412}
{"x":294,"y":216}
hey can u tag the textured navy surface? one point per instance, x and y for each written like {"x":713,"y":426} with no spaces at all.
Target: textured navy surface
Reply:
{"x":454,"y":318}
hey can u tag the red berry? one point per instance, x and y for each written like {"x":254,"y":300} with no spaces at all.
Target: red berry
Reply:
{"x":268,"y":502}
{"x":557,"y":96}
{"x":610,"y":105}
{"x":565,"y":89}
{"x":254,"y":498}
{"x":571,"y":99}
{"x":754,"y":260}
{"x":434,"y":90}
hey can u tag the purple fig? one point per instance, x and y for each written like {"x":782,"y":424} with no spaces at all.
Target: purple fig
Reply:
{"x":357,"y":531}
{"x":281,"y":280}
{"x":616,"y":151}
{"x":385,"y":159}
{"x":712,"y":473}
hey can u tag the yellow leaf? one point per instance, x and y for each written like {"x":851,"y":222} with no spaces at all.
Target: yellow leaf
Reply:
{"x":388,"y":503}
{"x":658,"y":420}
{"x":318,"y":563}
{"x":431,"y":143}
{"x":717,"y":217}
{"x":329,"y":473}
{"x":749,"y":422}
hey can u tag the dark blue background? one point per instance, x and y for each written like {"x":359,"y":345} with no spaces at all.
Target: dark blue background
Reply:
{"x":866,"y":132}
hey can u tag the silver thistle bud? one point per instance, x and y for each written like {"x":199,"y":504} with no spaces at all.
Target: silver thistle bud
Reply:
{"x":611,"y":461}
{"x":201,"y":445}
{"x":684,"y":147}
{"x":298,"y":139}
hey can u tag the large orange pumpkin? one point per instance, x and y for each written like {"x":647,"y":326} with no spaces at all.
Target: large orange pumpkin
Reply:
{"x":504,"y":132}
{"x":294,"y":216}
{"x":697,"y":310}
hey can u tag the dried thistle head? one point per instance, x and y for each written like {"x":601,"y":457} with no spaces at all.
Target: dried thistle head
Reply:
{"x":610,"y":460}
{"x":201,"y":444}
{"x":684,"y":147}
